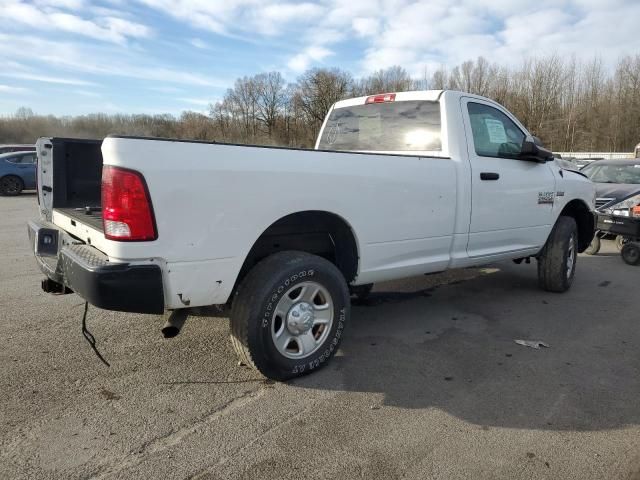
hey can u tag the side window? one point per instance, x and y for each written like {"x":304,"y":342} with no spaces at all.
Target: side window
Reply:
{"x":28,"y":159}
{"x":13,"y":159}
{"x":494,"y":134}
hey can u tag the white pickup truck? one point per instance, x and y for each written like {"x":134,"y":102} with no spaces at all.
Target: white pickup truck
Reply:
{"x":399,"y":184}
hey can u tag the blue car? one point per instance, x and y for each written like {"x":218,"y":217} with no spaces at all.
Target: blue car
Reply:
{"x":17,"y":172}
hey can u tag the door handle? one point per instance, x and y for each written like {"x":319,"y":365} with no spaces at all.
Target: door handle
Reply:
{"x":489,"y":176}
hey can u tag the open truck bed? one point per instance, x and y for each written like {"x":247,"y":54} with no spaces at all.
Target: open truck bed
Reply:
{"x":90,"y":217}
{"x":71,"y":173}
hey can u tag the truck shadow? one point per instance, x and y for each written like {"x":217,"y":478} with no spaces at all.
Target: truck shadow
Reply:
{"x":453,"y":348}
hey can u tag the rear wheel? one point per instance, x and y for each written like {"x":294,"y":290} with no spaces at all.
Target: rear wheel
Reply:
{"x":289,"y":314}
{"x":631,"y":253}
{"x":594,"y":246}
{"x":620,"y":242}
{"x":11,"y":185}
{"x":557,"y":261}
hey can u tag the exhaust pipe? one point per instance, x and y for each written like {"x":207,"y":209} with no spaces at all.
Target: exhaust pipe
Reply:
{"x":174,"y":323}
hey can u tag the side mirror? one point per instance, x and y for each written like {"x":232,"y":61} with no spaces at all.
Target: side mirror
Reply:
{"x":531,"y":151}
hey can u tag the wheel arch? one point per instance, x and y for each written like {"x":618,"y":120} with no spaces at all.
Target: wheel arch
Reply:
{"x":580,"y":212}
{"x":318,"y":232}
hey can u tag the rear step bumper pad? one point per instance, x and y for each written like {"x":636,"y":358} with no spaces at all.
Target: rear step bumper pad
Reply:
{"x":113,"y":286}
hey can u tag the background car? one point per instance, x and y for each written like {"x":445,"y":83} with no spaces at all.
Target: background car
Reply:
{"x":617,"y":192}
{"x":16,"y":148}
{"x":17,"y":172}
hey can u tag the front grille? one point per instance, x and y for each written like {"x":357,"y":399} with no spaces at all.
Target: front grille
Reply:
{"x":601,"y":202}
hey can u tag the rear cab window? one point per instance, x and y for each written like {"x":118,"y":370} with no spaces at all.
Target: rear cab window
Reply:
{"x":410,"y":125}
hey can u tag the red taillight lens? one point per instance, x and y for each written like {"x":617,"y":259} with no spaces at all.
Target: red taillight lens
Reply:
{"x":635,"y":211}
{"x":127,"y":214}
{"x":385,"y":97}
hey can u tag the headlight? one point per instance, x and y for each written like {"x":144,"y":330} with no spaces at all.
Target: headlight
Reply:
{"x":626,"y":208}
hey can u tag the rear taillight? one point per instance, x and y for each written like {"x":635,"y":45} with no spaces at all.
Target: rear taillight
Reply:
{"x":383,"y":98}
{"x":635,"y":211}
{"x":127,"y":214}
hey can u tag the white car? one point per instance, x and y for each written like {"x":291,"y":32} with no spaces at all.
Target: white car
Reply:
{"x":399,"y":184}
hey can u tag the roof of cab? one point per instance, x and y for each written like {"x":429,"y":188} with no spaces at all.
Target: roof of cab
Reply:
{"x":426,"y":95}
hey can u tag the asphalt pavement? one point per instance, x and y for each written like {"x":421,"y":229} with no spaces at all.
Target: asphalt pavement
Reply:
{"x":428,"y":384}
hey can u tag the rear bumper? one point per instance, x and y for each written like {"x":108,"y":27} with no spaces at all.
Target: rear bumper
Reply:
{"x":628,"y":227}
{"x":87,"y":271}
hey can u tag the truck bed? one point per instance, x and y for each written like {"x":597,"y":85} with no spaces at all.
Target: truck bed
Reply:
{"x":93,"y":220}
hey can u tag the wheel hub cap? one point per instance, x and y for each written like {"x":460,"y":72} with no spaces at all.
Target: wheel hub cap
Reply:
{"x":300,"y":318}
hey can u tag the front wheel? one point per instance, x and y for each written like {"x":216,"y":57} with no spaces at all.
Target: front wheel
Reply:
{"x":631,"y":253}
{"x":557,"y":261}
{"x":289,"y":314}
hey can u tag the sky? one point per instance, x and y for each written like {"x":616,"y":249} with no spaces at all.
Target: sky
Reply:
{"x":70,"y":57}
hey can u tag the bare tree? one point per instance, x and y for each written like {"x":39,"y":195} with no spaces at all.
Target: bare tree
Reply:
{"x":392,"y":79}
{"x":317,"y":90}
{"x":271,"y":96}
{"x":571,"y":105}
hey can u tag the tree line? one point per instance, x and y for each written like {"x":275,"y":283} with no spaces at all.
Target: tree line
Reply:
{"x":571,"y":105}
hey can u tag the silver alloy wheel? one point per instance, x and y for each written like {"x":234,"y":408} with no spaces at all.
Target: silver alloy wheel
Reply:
{"x":302,"y":320}
{"x":571,"y":257}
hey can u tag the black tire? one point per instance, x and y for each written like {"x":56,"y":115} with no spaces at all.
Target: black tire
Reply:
{"x":11,"y":186}
{"x":554,"y":272}
{"x":594,"y":246}
{"x":361,"y":292}
{"x":253,"y":313}
{"x":631,"y":253}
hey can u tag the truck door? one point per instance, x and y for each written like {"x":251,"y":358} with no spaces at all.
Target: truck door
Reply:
{"x":511,"y":199}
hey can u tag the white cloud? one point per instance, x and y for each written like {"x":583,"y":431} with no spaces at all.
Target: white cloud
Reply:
{"x":196,"y":42}
{"x":10,"y":89}
{"x":68,"y":4}
{"x":78,"y":42}
{"x":239,"y":17}
{"x":269,"y":19}
{"x":46,"y":79}
{"x":300,"y":62}
{"x":428,"y":34}
{"x":365,"y":27}
{"x":104,"y":62}
{"x":44,"y":18}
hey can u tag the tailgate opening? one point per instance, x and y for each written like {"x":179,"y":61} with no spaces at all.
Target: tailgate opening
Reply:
{"x":77,"y":179}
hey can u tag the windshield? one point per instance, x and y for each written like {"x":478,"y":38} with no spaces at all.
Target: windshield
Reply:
{"x":391,"y":126}
{"x":614,"y":173}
